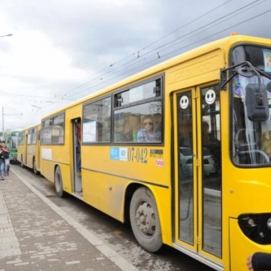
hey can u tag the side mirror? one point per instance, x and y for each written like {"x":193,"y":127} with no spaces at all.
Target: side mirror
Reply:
{"x":256,"y":103}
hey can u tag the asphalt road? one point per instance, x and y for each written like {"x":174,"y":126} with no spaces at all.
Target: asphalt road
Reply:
{"x":113,"y":233}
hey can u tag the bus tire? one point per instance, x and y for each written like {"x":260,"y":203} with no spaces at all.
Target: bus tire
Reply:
{"x":145,"y":221}
{"x":58,"y":183}
{"x":35,"y":167}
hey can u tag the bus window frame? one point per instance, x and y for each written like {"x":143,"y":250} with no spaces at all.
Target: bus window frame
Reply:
{"x":32,"y":131}
{"x":89,"y":102}
{"x":21,"y":136}
{"x":112,"y":95}
{"x":51,"y":126}
{"x":139,"y":102}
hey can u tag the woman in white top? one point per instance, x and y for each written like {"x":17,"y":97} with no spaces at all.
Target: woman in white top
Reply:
{"x":147,"y":132}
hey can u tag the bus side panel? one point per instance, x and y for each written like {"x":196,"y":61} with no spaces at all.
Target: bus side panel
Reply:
{"x":66,"y":177}
{"x":106,"y":193}
{"x":241,"y":247}
{"x":19,"y":154}
{"x":30,"y":153}
{"x":163,"y":201}
{"x":195,"y":71}
{"x":48,"y":171}
{"x":99,"y":190}
{"x":147,"y":168}
{"x":105,"y":180}
{"x":90,"y":182}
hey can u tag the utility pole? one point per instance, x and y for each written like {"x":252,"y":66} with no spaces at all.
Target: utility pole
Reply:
{"x":7,"y":35}
{"x":2,"y":123}
{"x":3,"y":126}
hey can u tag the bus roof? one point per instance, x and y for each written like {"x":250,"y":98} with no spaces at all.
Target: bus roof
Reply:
{"x":30,"y":127}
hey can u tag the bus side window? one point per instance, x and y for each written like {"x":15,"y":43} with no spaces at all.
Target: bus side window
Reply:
{"x":60,"y":140}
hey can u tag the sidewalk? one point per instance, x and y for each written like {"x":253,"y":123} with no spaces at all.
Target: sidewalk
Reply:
{"x":37,"y":235}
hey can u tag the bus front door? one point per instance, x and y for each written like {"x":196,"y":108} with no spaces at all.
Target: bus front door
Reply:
{"x":198,"y":175}
{"x":76,"y":124}
{"x":25,"y":151}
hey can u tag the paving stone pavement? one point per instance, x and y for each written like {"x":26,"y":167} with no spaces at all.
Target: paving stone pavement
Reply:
{"x":37,"y":235}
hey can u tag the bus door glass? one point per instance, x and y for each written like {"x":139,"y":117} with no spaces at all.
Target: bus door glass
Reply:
{"x":77,"y":155}
{"x":199,"y":171}
{"x":210,"y":152}
{"x":185,"y":154}
{"x":26,"y":148}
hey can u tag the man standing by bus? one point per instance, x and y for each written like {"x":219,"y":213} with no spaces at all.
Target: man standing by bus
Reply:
{"x":259,"y":261}
{"x":2,"y":162}
{"x":7,"y":160}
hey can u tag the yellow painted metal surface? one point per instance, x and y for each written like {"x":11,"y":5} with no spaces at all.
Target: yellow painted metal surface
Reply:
{"x":241,"y":247}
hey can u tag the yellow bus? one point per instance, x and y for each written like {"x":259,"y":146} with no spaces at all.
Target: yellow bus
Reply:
{"x":179,"y":150}
{"x":29,"y":148}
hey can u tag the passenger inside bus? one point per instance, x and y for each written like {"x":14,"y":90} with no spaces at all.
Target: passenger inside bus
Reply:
{"x":185,"y":151}
{"x":127,"y":134}
{"x":147,"y":133}
{"x":185,"y":135}
{"x":130,"y":128}
{"x":212,"y":146}
{"x":208,"y":138}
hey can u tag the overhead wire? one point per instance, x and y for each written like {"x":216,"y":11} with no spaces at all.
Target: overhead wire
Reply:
{"x":188,"y":34}
{"x":211,"y":24}
{"x":203,"y":15}
{"x":141,"y":65}
{"x":24,"y":96}
{"x":137,"y":52}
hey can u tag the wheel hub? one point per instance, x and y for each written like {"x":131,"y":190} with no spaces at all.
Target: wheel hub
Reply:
{"x":145,"y":219}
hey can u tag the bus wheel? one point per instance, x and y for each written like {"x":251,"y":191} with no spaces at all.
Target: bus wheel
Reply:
{"x":144,"y":220}
{"x":35,"y":167}
{"x":58,"y":183}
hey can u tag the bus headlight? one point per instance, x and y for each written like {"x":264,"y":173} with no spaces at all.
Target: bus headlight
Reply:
{"x":251,"y":222}
{"x":257,"y":227}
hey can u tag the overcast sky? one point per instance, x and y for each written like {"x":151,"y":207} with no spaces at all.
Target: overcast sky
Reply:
{"x":63,"y":50}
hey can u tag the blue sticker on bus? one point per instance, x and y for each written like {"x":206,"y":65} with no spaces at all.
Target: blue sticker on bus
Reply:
{"x":114,"y":153}
{"x":123,"y":154}
{"x":119,"y":154}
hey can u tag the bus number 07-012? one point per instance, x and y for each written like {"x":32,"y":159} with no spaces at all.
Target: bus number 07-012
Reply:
{"x":139,"y":155}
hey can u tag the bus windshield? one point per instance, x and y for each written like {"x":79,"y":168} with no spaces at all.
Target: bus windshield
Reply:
{"x":14,"y":140}
{"x":251,"y":140}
